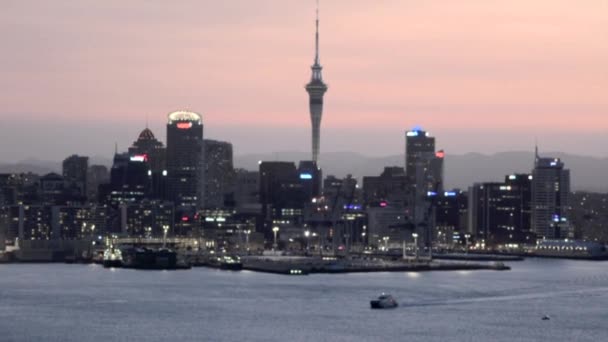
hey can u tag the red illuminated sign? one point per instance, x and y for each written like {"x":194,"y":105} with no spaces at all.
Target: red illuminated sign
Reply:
{"x":185,"y":218}
{"x":184,"y":125}
{"x":139,"y":158}
{"x":440,"y":154}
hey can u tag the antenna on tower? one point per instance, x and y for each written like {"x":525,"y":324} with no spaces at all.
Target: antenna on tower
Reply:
{"x":147,"y":120}
{"x":317,"y":37}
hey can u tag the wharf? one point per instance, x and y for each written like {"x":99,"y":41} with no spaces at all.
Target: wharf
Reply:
{"x":306,"y":265}
{"x":478,"y":257}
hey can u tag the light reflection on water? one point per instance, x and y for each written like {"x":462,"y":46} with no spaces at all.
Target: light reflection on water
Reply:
{"x":57,"y":302}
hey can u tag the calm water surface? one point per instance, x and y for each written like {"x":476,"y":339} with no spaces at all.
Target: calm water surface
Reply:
{"x":57,"y":302}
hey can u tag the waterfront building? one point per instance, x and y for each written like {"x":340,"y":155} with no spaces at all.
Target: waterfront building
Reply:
{"x":316,"y":89}
{"x":589,"y":216}
{"x":550,"y":195}
{"x":185,"y":160}
{"x":499,"y":212}
{"x":281,"y":195}
{"x":147,"y":218}
{"x":387,"y":226}
{"x":451,"y":213}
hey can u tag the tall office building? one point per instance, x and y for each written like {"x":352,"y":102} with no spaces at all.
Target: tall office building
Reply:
{"x":390,"y":188}
{"x":147,"y":144}
{"x":96,"y":175}
{"x":185,"y":160}
{"x":281,"y":194}
{"x":424,"y":172}
{"x":316,"y":89}
{"x":75,"y":170}
{"x":129,"y":180}
{"x":419,"y":151}
{"x":311,"y":178}
{"x":550,"y":191}
{"x":219,"y":172}
{"x":499,"y":213}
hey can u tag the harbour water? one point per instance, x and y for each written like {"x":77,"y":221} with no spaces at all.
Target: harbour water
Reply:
{"x":70,"y":302}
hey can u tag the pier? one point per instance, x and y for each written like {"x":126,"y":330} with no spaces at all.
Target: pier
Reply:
{"x":308,"y":265}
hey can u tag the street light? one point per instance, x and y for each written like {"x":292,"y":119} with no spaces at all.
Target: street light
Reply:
{"x":385,"y":242}
{"x":415,"y":236}
{"x":247,"y":232}
{"x":165,"y":231}
{"x":466,"y":237}
{"x":307,"y":234}
{"x":92,"y":240}
{"x":275,"y":230}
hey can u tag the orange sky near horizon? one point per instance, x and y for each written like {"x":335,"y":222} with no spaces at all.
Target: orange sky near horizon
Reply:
{"x":516,"y":70}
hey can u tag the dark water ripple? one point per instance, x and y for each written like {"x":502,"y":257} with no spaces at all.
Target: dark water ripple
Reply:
{"x":55,"y":302}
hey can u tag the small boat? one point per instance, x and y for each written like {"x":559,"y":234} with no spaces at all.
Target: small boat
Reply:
{"x":112,"y":257}
{"x":546,"y":318}
{"x":384,"y":301}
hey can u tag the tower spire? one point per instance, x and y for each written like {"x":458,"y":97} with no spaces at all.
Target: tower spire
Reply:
{"x":316,"y":89}
{"x":317,"y":37}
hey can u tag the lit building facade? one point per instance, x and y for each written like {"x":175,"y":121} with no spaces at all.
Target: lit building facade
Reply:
{"x":499,"y":213}
{"x":550,"y":195}
{"x":185,"y":160}
{"x":147,"y":144}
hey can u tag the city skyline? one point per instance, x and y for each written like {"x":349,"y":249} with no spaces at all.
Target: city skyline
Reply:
{"x":534,"y":67}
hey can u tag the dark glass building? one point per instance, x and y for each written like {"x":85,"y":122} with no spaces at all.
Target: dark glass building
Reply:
{"x":219,"y":173}
{"x":185,"y":160}
{"x":499,"y":213}
{"x":75,"y":169}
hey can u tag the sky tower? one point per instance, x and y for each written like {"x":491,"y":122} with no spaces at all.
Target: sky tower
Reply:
{"x":316,"y":89}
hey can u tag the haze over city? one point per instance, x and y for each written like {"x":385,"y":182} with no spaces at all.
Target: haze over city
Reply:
{"x":482,"y":76}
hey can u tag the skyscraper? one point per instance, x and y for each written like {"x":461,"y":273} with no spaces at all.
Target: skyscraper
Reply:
{"x":316,"y":89}
{"x":185,"y":160}
{"x":550,"y":191}
{"x":219,"y":172}
{"x":147,"y":144}
{"x":499,"y":213}
{"x":419,"y":148}
{"x":75,"y":173}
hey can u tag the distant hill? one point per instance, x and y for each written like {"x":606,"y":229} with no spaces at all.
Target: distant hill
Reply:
{"x":588,"y":173}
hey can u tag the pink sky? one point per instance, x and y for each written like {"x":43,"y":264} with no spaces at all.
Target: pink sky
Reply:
{"x":481,"y":75}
